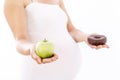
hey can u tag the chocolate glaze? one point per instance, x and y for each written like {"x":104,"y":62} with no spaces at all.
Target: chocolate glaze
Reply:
{"x":97,"y":40}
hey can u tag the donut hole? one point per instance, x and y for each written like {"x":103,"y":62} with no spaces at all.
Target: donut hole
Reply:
{"x":97,"y":37}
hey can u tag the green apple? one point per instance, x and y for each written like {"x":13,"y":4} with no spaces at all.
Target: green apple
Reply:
{"x":44,"y":49}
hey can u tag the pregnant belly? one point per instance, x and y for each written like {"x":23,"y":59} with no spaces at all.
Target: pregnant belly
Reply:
{"x":67,"y":64}
{"x":64,"y":44}
{"x":65,"y":68}
{"x":65,"y":47}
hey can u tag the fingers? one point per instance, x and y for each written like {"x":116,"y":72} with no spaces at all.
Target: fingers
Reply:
{"x":48,"y":60}
{"x":106,"y":46}
{"x":92,"y":46}
{"x":99,"y":46}
{"x":35,"y":57}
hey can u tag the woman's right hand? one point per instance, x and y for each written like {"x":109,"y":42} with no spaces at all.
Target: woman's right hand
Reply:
{"x":40,"y":60}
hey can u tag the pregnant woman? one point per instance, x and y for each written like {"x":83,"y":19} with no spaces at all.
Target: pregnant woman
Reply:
{"x":33,"y":20}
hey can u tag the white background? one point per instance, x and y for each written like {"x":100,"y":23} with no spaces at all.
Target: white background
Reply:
{"x":99,"y":16}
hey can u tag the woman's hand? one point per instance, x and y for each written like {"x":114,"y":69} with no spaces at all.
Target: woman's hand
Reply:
{"x":95,"y":47}
{"x":40,"y":60}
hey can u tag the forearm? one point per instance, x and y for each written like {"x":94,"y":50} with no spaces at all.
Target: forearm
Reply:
{"x":23,"y":46}
{"x":78,"y":35}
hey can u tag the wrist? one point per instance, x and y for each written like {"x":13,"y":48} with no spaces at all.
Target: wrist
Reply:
{"x":24,"y":46}
{"x":82,"y":37}
{"x":85,"y":37}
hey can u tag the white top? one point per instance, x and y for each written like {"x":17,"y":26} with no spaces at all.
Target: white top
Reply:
{"x":47,"y":21}
{"x":50,"y":22}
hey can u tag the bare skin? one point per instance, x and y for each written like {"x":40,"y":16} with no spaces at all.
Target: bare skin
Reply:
{"x":16,"y":17}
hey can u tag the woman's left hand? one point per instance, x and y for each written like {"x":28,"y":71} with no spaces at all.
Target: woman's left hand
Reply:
{"x":96,"y":47}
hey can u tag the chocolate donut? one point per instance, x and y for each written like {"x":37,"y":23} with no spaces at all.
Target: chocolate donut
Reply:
{"x":97,"y":40}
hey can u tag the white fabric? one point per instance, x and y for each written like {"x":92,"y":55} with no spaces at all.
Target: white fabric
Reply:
{"x":50,"y":22}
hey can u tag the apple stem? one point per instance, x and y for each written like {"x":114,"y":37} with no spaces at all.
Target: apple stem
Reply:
{"x":45,"y":40}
